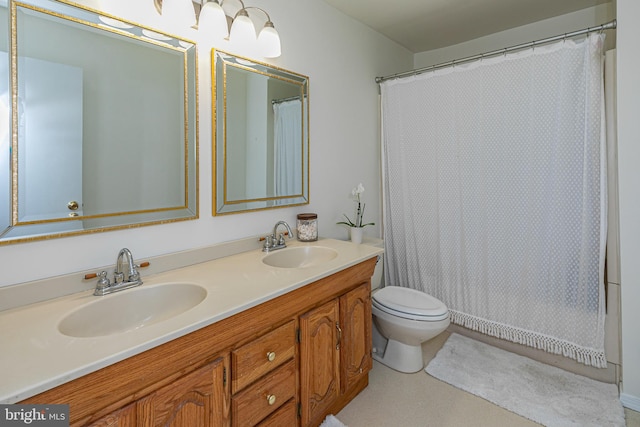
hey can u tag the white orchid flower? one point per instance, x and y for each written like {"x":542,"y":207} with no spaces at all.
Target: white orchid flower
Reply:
{"x":359,"y":211}
{"x":358,"y":190}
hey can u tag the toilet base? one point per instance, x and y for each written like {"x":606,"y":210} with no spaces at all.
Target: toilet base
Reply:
{"x":401,"y":357}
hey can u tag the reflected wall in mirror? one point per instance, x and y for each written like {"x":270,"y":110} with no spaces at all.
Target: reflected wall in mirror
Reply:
{"x":261,"y":140}
{"x":103,"y":123}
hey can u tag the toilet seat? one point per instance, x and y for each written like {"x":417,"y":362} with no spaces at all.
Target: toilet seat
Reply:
{"x":410,"y":304}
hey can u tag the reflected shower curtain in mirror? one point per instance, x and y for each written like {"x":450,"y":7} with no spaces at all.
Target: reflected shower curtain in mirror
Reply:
{"x":495,"y":194}
{"x":288,"y":147}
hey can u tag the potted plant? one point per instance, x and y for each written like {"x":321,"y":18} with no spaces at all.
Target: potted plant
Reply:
{"x":356,"y":226}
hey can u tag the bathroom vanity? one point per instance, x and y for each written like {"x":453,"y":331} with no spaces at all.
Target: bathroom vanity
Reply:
{"x":284,"y":352}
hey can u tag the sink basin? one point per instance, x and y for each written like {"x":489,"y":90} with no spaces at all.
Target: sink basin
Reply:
{"x":131,"y":309}
{"x":300,"y":257}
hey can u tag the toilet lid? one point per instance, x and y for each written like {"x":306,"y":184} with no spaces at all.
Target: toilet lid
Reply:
{"x":406,"y":301}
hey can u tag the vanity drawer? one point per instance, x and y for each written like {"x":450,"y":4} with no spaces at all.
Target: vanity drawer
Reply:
{"x":253,"y":404}
{"x":286,"y":415}
{"x":262,"y":355}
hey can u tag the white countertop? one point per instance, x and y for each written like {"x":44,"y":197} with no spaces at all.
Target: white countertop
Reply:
{"x":35,"y":356}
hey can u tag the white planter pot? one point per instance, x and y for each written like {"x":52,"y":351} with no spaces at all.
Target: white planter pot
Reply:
{"x":356,"y":234}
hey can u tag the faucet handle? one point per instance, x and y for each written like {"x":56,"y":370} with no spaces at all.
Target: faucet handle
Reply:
{"x":134,"y":276}
{"x":281,"y":239}
{"x":103,"y":281}
{"x":118,"y":277}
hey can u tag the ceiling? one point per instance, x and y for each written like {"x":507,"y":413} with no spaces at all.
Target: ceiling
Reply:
{"x":422,"y":25}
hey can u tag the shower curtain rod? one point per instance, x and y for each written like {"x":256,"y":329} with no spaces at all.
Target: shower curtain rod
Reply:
{"x":608,"y":26}
{"x":279,"y":101}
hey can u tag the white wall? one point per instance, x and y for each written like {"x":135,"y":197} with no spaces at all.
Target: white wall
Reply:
{"x":342,"y":59}
{"x":629,"y":177}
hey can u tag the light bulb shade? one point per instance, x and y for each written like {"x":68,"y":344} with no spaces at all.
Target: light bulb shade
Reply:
{"x":213,"y":21}
{"x":243,"y":33}
{"x":179,"y":13}
{"x":269,"y":41}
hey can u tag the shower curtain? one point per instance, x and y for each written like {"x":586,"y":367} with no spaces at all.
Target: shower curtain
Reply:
{"x":495,"y":194}
{"x":287,"y":147}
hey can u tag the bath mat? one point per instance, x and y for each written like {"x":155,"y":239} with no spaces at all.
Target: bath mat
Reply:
{"x":542,"y":393}
{"x":331,"y":421}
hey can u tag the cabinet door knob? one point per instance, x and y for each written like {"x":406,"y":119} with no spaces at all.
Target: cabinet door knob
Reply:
{"x":271,"y":356}
{"x":271,"y":399}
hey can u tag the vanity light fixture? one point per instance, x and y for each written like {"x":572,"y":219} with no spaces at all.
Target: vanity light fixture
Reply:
{"x":213,"y":22}
{"x":268,"y":39}
{"x":242,"y":33}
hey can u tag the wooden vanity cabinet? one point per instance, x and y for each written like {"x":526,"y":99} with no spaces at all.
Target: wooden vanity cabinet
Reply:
{"x":286,"y":416}
{"x":287,"y":362}
{"x":263,"y":373}
{"x":355,"y":319}
{"x":123,"y":417}
{"x":319,"y":360}
{"x":197,"y":399}
{"x":335,"y":353}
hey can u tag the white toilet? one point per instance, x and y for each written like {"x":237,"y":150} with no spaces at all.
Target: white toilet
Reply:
{"x":403,"y":319}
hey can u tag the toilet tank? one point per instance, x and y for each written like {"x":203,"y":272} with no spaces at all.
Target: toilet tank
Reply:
{"x":377,"y":280}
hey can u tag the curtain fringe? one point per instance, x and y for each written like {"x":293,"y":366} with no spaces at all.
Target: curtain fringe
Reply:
{"x":586,"y":356}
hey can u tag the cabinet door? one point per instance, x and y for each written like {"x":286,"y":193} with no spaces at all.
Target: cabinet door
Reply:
{"x":319,"y":360}
{"x":355,"y":320}
{"x":123,"y":417}
{"x":200,"y":398}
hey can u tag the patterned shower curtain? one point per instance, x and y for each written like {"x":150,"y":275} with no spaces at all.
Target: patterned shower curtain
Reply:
{"x":495,"y":194}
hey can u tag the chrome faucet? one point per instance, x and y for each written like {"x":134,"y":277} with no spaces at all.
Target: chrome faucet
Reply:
{"x":275,"y":241}
{"x":105,"y":287}
{"x":118,"y":274}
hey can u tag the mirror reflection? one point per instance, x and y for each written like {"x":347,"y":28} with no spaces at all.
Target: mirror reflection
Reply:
{"x":261,"y":141}
{"x":5,"y":114}
{"x":103,"y":123}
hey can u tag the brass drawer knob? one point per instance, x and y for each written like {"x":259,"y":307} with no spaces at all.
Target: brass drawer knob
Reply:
{"x":271,"y":356}
{"x":271,"y":399}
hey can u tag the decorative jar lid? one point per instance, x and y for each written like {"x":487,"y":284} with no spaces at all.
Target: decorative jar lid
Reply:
{"x":307,"y":216}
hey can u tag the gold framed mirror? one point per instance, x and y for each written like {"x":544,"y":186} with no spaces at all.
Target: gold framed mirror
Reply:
{"x":103,"y":123}
{"x":261,"y":135}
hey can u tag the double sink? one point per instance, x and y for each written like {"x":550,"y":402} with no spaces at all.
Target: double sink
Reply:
{"x":143,"y":306}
